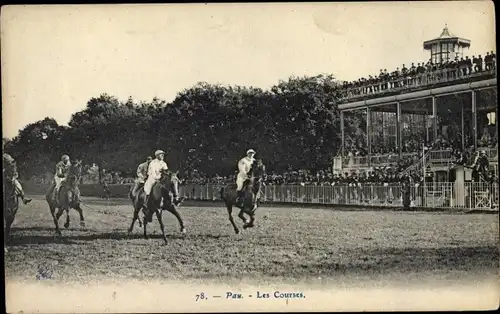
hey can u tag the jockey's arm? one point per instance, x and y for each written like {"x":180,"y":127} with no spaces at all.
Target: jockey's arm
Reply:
{"x":241,"y":166}
{"x":139,"y":172}
{"x":59,"y":171}
{"x":475,"y":161}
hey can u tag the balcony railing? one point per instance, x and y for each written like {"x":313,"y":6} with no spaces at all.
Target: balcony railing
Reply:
{"x":431,"y":157}
{"x":410,"y":83}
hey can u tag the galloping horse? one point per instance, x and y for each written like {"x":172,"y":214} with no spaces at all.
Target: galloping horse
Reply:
{"x":167,"y":188}
{"x":10,"y":205}
{"x":67,"y":197}
{"x":251,"y":191}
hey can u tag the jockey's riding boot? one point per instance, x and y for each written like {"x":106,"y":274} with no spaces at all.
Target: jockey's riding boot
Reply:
{"x":176,"y":201}
{"x":25,"y":199}
{"x":146,"y":200}
{"x":239,"y":198}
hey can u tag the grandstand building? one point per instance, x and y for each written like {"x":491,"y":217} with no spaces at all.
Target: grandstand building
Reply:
{"x":423,"y":117}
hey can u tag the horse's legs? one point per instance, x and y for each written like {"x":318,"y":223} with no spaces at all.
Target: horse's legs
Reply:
{"x":66,"y":224}
{"x":160,"y":220}
{"x":136,"y":217}
{"x":174,"y":211}
{"x":56,"y":218}
{"x":59,"y":213}
{"x":242,"y":217}
{"x":9,"y":219}
{"x":250,"y":223}
{"x":80,"y":212}
{"x":145,"y":223}
{"x":230,"y":213}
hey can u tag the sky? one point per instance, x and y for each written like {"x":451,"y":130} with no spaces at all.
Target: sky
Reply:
{"x":55,"y":58}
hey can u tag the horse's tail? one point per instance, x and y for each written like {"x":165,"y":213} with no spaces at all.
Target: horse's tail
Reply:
{"x":130,"y":194}
{"x":221,"y":192}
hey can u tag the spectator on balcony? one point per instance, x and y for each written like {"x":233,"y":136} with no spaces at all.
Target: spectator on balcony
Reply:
{"x":394,"y":77}
{"x":412,"y":72}
{"x":468,"y":63}
{"x":478,"y":63}
{"x":452,"y":68}
{"x":404,"y":74}
{"x":489,"y":61}
{"x":462,"y":66}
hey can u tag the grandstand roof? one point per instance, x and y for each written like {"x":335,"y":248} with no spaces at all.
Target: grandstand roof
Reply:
{"x":446,"y":37}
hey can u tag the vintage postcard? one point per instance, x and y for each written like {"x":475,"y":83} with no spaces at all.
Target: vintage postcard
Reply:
{"x":250,"y":157}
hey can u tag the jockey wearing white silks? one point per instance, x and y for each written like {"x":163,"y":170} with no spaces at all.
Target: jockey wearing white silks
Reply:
{"x":62,"y":169}
{"x":244,"y":166}
{"x":154,"y":172}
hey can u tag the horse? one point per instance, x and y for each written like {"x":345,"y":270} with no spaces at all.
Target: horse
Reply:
{"x":251,"y":195}
{"x":10,"y":206}
{"x":67,"y":197}
{"x":166,"y":187}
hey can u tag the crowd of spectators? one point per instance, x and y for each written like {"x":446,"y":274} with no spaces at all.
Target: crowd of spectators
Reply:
{"x":415,"y":74}
{"x":379,"y":175}
{"x":391,"y":174}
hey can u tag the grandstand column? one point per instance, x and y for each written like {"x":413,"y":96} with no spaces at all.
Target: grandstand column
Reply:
{"x":434,"y":119}
{"x":398,"y":128}
{"x":474,"y":122}
{"x":463,"y":127}
{"x":459,"y":186}
{"x":368,"y":133}
{"x":342,"y":152}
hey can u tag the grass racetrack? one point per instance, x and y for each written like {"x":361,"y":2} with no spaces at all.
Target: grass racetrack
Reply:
{"x":292,"y":245}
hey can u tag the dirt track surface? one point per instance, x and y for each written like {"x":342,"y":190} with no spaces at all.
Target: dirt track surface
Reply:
{"x":288,"y":244}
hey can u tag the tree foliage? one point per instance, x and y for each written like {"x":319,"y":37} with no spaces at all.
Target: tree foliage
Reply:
{"x":208,"y":127}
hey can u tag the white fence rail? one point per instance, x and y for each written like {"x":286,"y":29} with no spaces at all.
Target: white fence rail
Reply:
{"x":434,"y":195}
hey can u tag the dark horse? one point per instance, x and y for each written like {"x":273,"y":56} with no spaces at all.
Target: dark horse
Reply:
{"x":67,"y":197}
{"x":168,"y":189}
{"x":251,"y":191}
{"x":10,"y":205}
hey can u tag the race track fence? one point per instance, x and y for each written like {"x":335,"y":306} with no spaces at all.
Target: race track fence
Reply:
{"x":470,"y":195}
{"x":437,"y":195}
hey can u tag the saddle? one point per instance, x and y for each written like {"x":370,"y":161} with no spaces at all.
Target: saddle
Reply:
{"x":57,"y":194}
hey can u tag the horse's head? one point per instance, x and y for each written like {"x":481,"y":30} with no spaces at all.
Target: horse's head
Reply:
{"x":75,"y":171}
{"x":256,"y":174}
{"x":169,"y":181}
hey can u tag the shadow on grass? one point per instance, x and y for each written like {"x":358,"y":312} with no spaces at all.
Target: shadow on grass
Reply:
{"x":29,"y":239}
{"x":412,"y":260}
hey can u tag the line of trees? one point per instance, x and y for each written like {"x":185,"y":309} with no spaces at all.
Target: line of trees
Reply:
{"x":295,"y":124}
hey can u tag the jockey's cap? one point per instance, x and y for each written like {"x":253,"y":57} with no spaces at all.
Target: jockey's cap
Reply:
{"x":149,"y":158}
{"x":159,"y":152}
{"x":250,"y":151}
{"x":483,"y":152}
{"x":65,"y":158}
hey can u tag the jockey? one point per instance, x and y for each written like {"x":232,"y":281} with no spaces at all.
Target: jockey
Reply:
{"x":142,"y":173}
{"x":62,"y":169}
{"x":244,"y":166}
{"x":10,"y":171}
{"x":154,"y":173}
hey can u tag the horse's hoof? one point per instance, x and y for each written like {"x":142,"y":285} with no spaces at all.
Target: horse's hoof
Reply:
{"x":236,"y":231}
{"x":66,"y":225}
{"x":245,"y":226}
{"x":82,"y":224}
{"x":183,"y":230}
